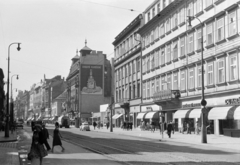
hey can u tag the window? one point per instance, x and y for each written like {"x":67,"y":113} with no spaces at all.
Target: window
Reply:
{"x":175,"y":49}
{"x":152,"y":36}
{"x":148,"y":63}
{"x":191,"y":78}
{"x":169,"y":81}
{"x":123,"y":72}
{"x":148,"y":16}
{"x":156,"y":34}
{"x":210,"y":34}
{"x":138,"y":65}
{"x":158,"y":7}
{"x":144,"y":65}
{"x":130,"y":93}
{"x":182,"y":15}
{"x":232,"y":23}
{"x":164,"y":85}
{"x":209,"y":2}
{"x":162,"y":30}
{"x":152,"y":61}
{"x":120,"y":94}
{"x":182,"y":42}
{"x":133,"y":67}
{"x":220,"y":29}
{"x":183,"y":83}
{"x":119,"y":78}
{"x":210,"y":74}
{"x":144,"y":90}
{"x":153,"y":12}
{"x":199,"y":6}
{"x":138,"y":89}
{"x":148,"y":89}
{"x":129,"y":70}
{"x":221,"y":71}
{"x":175,"y":20}
{"x":199,"y":39}
{"x":168,"y":25}
{"x":157,"y":85}
{"x":199,"y":77}
{"x":190,"y":43}
{"x":126,"y":71}
{"x":126,"y":92}
{"x":175,"y":81}
{"x":162,"y":56}
{"x":169,"y":53}
{"x":159,"y":57}
{"x":153,"y":88}
{"x":233,"y":68}
{"x":156,"y":59}
{"x":127,"y":45}
{"x":116,"y":96}
{"x":164,"y":4}
{"x":190,"y":9}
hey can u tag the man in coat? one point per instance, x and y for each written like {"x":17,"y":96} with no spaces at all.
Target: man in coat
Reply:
{"x":46,"y":136}
{"x":169,"y":129}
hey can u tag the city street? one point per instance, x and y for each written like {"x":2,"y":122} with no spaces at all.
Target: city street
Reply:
{"x":135,"y":150}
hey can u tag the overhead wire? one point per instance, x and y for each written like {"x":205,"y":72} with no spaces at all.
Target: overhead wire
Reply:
{"x":111,"y":6}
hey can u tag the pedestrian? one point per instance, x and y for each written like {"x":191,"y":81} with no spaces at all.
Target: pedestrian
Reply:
{"x":197,"y":128}
{"x":46,"y":136}
{"x":173,"y":127}
{"x":188,"y":128}
{"x":37,"y":151}
{"x":107,"y":124}
{"x":94,"y":124}
{"x":57,"y":137}
{"x":152,"y":126}
{"x":169,"y":129}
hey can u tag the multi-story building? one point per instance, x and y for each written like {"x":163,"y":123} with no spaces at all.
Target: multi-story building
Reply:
{"x":88,"y":84}
{"x":21,"y":105}
{"x":127,"y":64}
{"x":2,"y":95}
{"x":171,"y":52}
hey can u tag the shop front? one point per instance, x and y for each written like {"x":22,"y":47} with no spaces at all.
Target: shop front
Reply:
{"x":118,"y":118}
{"x":134,"y":110}
{"x":222,"y":114}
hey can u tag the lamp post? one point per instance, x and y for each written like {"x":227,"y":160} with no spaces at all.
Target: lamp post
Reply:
{"x":7,"y":112}
{"x":203,"y":101}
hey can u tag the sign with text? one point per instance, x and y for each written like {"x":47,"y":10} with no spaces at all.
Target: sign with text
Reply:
{"x":91,"y":79}
{"x":166,"y":95}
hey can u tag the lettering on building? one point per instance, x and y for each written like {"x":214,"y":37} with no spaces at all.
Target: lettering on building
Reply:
{"x":232,"y":101}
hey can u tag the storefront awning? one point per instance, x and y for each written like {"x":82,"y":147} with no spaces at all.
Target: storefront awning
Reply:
{"x":218,"y":113}
{"x":195,"y":113}
{"x":236,"y":115}
{"x":151,"y":115}
{"x":141,"y":115}
{"x":180,"y":114}
{"x":116,"y":116}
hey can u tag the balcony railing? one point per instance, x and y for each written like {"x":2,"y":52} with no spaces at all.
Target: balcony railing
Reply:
{"x":164,"y":95}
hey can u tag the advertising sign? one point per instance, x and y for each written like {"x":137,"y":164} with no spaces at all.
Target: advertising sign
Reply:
{"x":91,"y":79}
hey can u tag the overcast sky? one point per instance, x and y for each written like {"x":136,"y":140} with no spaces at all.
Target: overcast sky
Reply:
{"x":52,"y":30}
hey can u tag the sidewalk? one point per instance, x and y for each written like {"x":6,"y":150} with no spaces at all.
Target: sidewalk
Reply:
{"x":224,"y":142}
{"x":12,"y":137}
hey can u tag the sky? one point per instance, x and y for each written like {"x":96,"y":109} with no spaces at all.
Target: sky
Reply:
{"x":51,"y":31}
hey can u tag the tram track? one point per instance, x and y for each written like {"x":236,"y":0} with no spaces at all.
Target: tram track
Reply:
{"x":110,"y":147}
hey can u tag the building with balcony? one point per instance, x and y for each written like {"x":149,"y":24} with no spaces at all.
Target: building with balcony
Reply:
{"x":171,"y":53}
{"x":127,"y":64}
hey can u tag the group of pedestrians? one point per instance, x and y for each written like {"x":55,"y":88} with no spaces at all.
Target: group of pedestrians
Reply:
{"x":39,"y":139}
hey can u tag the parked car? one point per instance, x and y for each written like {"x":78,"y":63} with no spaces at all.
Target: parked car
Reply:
{"x":85,"y":126}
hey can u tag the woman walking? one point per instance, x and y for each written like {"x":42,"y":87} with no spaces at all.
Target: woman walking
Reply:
{"x":37,"y":151}
{"x":56,"y":137}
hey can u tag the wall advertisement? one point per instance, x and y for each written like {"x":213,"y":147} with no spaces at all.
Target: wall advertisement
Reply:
{"x":91,"y":79}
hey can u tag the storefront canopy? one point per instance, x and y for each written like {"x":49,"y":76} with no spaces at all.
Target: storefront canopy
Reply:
{"x":195,"y":113}
{"x":218,"y":113}
{"x":180,"y":114}
{"x":116,"y":116}
{"x":141,"y":115}
{"x":236,"y":115}
{"x":151,"y":115}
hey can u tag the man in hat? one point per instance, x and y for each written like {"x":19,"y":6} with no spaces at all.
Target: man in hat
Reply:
{"x":45,"y":137}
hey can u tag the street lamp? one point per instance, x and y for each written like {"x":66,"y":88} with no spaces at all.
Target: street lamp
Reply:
{"x":11,"y":86}
{"x":203,"y":101}
{"x":7,"y":112}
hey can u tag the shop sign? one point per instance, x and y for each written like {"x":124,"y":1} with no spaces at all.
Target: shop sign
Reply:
{"x":232,"y":101}
{"x":151,"y":108}
{"x":191,"y":105}
{"x":166,"y":95}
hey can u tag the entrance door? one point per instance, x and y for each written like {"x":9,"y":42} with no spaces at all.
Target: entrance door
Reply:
{"x":221,"y":127}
